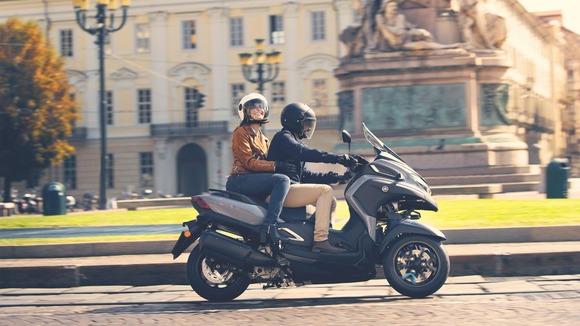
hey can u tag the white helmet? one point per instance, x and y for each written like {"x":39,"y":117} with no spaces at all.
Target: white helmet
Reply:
{"x":249,"y":101}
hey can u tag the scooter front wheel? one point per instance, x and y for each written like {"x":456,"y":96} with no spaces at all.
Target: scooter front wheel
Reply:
{"x":416,"y":266}
{"x":212,"y":279}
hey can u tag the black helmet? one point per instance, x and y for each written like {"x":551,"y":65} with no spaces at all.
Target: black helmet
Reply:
{"x":250,"y":101}
{"x":299,"y":119}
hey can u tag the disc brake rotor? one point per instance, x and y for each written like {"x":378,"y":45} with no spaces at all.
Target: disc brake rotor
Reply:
{"x":416,"y":263}
{"x":216,"y":274}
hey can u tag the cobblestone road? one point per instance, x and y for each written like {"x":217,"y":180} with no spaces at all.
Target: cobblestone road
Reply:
{"x":472,"y":300}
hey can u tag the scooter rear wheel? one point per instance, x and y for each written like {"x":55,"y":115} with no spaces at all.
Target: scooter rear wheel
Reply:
{"x":416,"y":266}
{"x":212,"y":279}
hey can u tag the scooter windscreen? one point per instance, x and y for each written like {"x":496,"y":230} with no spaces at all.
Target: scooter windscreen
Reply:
{"x":388,"y":162}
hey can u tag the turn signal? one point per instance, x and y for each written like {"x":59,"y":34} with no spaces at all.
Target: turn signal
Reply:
{"x":187,"y":234}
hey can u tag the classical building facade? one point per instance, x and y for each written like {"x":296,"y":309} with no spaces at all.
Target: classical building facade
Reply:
{"x":168,"y":52}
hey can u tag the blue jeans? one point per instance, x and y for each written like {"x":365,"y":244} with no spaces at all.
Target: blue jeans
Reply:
{"x":262,"y":185}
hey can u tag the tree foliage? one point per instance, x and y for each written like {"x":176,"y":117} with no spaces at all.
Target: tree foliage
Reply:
{"x":36,"y":109}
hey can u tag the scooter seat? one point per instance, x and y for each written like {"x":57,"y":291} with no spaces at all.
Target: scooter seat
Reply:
{"x":288,"y":214}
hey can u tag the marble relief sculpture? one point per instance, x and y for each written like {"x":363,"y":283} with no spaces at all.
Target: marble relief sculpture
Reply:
{"x":395,"y":33}
{"x":480,"y":29}
{"x":384,"y":27}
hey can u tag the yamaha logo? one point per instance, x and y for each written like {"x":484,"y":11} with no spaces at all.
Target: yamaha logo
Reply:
{"x":385,"y":189}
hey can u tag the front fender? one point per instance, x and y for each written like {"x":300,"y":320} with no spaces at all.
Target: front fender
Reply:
{"x":409,"y":227}
{"x":186,"y":238}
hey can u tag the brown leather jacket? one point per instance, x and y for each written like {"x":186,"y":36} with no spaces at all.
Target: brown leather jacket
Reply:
{"x":250,"y":150}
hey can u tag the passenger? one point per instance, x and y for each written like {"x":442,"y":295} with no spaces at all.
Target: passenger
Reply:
{"x":251,"y":174}
{"x":299,"y":121}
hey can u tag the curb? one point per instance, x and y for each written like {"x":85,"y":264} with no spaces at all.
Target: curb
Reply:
{"x":549,"y":263}
{"x":454,"y":236}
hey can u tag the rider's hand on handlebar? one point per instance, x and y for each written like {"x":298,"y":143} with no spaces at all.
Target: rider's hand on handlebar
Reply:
{"x":346,"y":160}
{"x":360,"y":160}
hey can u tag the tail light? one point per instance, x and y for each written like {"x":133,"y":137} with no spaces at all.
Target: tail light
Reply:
{"x":200,"y":202}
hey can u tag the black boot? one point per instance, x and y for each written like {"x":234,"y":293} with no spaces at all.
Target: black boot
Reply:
{"x":325,"y":246}
{"x":269,"y":231}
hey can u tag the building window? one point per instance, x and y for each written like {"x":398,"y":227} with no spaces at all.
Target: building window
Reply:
{"x":189,"y":38}
{"x":66,"y":42}
{"x":190,"y":101}
{"x":70,"y":172}
{"x":278,"y":92}
{"x":142,"y":38}
{"x":144,"y":105}
{"x":238,"y":91}
{"x":276,"y":30}
{"x":236,"y":31}
{"x":109,"y":107}
{"x":318,"y":26}
{"x":146,"y":167}
{"x":110,"y":171}
{"x":319,"y":93}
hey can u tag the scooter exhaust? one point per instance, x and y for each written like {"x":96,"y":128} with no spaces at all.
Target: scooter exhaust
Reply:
{"x":234,"y":252}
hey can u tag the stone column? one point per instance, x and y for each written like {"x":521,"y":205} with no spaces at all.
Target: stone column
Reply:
{"x":164,"y":167}
{"x":472,"y":104}
{"x":290,"y":55}
{"x":344,"y":19}
{"x":91,"y":93}
{"x":218,"y":92}
{"x":159,"y":87}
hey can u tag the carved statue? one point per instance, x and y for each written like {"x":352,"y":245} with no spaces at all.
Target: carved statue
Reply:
{"x":395,"y":33}
{"x":480,"y":29}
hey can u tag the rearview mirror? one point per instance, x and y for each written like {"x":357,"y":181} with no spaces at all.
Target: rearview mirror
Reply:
{"x":346,"y":137}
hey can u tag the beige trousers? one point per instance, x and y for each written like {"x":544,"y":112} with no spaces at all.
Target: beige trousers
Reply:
{"x":318,"y":195}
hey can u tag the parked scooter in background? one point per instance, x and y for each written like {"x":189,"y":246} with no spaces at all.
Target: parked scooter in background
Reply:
{"x":71,"y":203}
{"x":28,"y":204}
{"x":88,"y":201}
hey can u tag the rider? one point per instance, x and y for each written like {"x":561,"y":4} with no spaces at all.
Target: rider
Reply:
{"x":251,"y":173}
{"x":299,"y":121}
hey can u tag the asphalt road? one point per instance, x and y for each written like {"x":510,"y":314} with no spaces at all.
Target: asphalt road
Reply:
{"x":469,"y":300}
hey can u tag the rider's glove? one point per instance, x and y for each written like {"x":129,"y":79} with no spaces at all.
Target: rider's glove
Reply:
{"x":285,"y":168}
{"x":360,"y":159}
{"x":331,"y":177}
{"x":346,"y":160}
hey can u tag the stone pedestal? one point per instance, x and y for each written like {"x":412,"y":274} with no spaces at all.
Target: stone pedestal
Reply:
{"x":437,"y":108}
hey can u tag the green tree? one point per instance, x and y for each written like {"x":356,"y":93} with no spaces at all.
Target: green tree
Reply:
{"x":36,"y":110}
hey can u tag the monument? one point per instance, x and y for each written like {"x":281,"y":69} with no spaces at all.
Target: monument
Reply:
{"x":431,"y":79}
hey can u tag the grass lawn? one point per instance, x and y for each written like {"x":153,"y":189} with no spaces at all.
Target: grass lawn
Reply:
{"x":461,"y":213}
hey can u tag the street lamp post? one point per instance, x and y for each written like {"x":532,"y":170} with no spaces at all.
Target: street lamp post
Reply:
{"x":101,"y":30}
{"x":266,"y":66}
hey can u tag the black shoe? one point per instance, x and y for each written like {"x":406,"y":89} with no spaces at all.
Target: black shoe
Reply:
{"x":325,"y":246}
{"x":269,"y":231}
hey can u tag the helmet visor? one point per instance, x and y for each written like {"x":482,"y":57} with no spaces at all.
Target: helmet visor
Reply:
{"x":308,"y":125}
{"x":256,"y":104}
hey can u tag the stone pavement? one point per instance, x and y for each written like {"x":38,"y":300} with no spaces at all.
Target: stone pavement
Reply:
{"x":467,"y":300}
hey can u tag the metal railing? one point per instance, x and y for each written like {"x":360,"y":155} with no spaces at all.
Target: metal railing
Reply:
{"x":194,"y":128}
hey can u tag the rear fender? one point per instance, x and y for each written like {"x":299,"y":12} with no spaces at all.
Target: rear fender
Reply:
{"x":409,"y":227}
{"x":186,"y":238}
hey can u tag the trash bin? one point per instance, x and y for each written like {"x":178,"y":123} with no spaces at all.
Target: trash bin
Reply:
{"x":557,"y":178}
{"x":54,"y":199}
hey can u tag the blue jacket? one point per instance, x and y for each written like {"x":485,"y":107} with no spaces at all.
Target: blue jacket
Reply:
{"x":286,"y":147}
